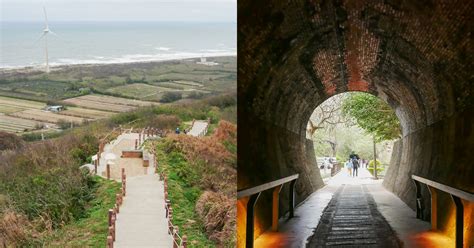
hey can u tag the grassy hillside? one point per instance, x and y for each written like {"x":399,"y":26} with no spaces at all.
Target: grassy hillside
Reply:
{"x":202,"y":184}
{"x":45,"y":199}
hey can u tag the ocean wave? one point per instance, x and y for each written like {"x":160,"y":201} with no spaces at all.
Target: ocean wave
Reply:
{"x":162,"y":48}
{"x":130,"y":58}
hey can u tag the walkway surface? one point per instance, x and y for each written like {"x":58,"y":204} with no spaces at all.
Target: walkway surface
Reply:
{"x":141,"y":221}
{"x":352,"y":219}
{"x":352,"y":196}
{"x":198,"y":128}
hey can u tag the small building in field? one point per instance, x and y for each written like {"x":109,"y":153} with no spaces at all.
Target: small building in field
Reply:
{"x":56,"y":108}
{"x":205,"y":62}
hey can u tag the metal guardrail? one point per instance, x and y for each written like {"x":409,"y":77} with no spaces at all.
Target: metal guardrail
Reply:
{"x":254,"y":193}
{"x":456,"y":196}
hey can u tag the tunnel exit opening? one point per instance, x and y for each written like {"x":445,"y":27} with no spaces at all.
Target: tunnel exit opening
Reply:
{"x":355,"y":123}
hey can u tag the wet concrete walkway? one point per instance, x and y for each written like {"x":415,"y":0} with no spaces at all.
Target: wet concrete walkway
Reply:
{"x":351,"y":219}
{"x":297,"y":231}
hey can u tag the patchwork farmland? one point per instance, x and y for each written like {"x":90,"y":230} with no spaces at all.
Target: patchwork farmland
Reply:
{"x":18,"y":115}
{"x":107,"y":103}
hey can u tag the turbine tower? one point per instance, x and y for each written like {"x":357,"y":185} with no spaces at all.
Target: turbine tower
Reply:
{"x":46,"y":31}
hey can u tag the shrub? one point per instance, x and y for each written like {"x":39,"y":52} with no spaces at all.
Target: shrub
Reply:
{"x":171,"y":96}
{"x":222,"y":101}
{"x":371,"y":167}
{"x":63,"y":124}
{"x":196,"y":95}
{"x":10,"y":141}
{"x":164,"y":121}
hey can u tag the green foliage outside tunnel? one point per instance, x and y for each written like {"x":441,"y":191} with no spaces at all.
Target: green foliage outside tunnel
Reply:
{"x":373,"y":115}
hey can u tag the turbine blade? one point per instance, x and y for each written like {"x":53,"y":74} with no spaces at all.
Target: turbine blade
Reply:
{"x":53,"y":33}
{"x":40,"y":37}
{"x":45,"y":18}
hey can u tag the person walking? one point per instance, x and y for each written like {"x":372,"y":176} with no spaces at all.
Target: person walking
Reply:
{"x":355,"y":167}
{"x":349,"y":167}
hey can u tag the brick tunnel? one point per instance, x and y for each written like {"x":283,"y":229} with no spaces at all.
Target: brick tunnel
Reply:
{"x":415,"y":55}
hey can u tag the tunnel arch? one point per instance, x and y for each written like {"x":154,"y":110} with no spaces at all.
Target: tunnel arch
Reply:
{"x":417,"y":56}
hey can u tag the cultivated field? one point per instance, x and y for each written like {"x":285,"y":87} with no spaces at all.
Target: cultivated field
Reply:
{"x":123,"y":79}
{"x":45,"y":116}
{"x":141,"y":91}
{"x":18,"y":125}
{"x":11,"y":105}
{"x":17,"y":115}
{"x":86,"y":113}
{"x":107,"y":103}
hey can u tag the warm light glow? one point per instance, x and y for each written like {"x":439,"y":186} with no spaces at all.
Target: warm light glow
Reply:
{"x":241,"y":221}
{"x":445,"y":238}
{"x":433,"y":239}
{"x":259,"y":225}
{"x":271,"y":240}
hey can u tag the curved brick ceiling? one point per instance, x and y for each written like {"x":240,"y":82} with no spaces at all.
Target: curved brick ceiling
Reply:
{"x":416,"y":55}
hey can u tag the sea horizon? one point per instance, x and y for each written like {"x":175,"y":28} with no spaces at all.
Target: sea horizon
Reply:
{"x":113,"y":42}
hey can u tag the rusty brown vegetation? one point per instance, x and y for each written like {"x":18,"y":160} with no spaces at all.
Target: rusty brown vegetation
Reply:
{"x":211,"y":167}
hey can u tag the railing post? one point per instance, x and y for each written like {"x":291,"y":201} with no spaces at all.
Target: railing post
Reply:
{"x":250,"y":220}
{"x":275,"y":207}
{"x":96,"y":162}
{"x":175,"y":237}
{"x":459,"y":221}
{"x":292,"y":198}
{"x":111,"y":213}
{"x":110,"y":242}
{"x":108,"y":171}
{"x":434,"y":207}
{"x":184,"y":244}
{"x":419,"y":209}
{"x":167,"y":206}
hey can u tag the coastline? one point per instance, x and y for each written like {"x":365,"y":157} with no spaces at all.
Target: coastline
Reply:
{"x":39,"y":69}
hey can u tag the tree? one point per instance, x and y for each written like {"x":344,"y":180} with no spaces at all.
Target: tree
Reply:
{"x":171,"y":96}
{"x":373,"y":115}
{"x":326,"y":115}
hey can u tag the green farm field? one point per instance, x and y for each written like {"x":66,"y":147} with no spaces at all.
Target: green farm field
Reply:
{"x":122,"y":80}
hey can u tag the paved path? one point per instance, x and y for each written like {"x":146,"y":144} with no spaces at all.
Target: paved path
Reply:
{"x":141,"y":221}
{"x":198,"y":128}
{"x":352,"y":219}
{"x":296,"y":231}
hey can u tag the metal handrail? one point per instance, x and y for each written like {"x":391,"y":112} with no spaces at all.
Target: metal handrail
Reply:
{"x":456,"y":196}
{"x":254,"y":193}
{"x":450,"y":190}
{"x":265,"y":186}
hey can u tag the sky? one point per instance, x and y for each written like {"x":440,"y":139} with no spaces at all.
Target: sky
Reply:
{"x":120,"y":10}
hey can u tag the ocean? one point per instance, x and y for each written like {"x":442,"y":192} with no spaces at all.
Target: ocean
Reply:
{"x":113,"y":42}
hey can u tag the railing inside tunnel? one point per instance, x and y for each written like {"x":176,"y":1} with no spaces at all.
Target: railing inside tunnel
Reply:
{"x":254,"y":193}
{"x":456,"y":196}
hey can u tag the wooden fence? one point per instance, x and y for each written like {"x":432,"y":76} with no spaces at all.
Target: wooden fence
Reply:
{"x":114,"y":211}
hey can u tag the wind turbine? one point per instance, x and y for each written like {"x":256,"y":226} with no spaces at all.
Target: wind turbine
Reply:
{"x":46,"y":31}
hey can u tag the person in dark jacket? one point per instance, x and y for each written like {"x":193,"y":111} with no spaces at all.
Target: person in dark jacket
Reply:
{"x":355,"y":163}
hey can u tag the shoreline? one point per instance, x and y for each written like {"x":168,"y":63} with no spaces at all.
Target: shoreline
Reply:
{"x":53,"y":68}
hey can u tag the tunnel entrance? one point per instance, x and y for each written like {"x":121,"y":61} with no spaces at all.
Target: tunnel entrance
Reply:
{"x":416,"y":56}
